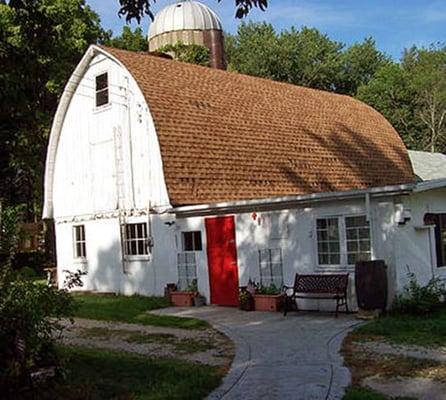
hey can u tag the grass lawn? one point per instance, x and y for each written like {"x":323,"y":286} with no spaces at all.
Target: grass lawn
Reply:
{"x":99,"y":374}
{"x":360,"y":393}
{"x":131,"y":309}
{"x":427,"y":330}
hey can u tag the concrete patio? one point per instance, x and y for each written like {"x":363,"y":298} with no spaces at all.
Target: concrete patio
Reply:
{"x":294,"y":357}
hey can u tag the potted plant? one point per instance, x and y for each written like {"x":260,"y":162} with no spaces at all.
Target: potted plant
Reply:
{"x":268,"y":298}
{"x":246,"y":300}
{"x":186,"y":297}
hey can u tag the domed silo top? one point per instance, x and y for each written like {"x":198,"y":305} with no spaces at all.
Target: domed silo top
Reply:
{"x":184,"y":15}
{"x":189,"y":22}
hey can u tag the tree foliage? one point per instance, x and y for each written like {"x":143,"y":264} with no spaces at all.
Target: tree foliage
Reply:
{"x":191,"y":53}
{"x":129,"y":40}
{"x":303,"y":57}
{"x":137,"y":9}
{"x":412,"y":96}
{"x":40,"y":43}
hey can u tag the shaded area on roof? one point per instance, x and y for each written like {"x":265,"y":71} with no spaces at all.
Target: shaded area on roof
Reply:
{"x":428,"y":166}
{"x":227,"y":136}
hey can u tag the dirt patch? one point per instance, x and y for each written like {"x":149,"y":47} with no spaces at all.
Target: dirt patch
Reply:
{"x":205,"y":346}
{"x":372,"y":366}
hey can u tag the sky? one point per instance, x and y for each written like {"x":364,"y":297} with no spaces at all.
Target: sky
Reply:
{"x":394,"y":24}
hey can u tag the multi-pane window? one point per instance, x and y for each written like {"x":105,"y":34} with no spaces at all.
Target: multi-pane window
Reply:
{"x":439,"y":220}
{"x":191,"y":241}
{"x":357,"y":232}
{"x":187,"y":270}
{"x":328,"y":241}
{"x":135,"y":239}
{"x":80,"y":249}
{"x":102,"y":89}
{"x":270,"y":265}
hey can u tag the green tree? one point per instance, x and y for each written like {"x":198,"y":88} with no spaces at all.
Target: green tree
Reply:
{"x":412,"y":96}
{"x":359,"y":64}
{"x":129,"y":40}
{"x":191,"y":53}
{"x":427,"y":71}
{"x":254,"y":50}
{"x":40,"y":43}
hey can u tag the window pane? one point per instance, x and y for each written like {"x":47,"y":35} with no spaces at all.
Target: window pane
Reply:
{"x":335,"y":259}
{"x":364,"y":245}
{"x":83,"y":250}
{"x":133,"y":250}
{"x":352,"y":246}
{"x":188,"y":241}
{"x":333,"y":231}
{"x":356,"y":221}
{"x":102,"y":81}
{"x":197,"y":241}
{"x":334,"y":247}
{"x":101,"y":97}
{"x":78,"y":250}
{"x":323,"y":259}
{"x":321,"y":224}
{"x":352,"y":234}
{"x":322,"y":235}
{"x":364,"y":233}
{"x":322,"y":247}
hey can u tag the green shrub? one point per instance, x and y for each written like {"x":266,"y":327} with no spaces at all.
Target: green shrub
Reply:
{"x":420,"y":300}
{"x":30,"y":315}
{"x":268,"y":290}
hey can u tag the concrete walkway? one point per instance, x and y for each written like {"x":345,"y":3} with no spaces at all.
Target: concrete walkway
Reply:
{"x":294,"y":357}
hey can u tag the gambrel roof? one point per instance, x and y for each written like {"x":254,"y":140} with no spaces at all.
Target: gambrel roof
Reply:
{"x":226,"y":136}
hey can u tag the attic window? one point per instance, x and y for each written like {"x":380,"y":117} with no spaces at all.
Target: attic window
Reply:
{"x":102,"y":89}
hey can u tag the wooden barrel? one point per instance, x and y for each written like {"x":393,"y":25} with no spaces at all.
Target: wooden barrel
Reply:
{"x":371,"y":284}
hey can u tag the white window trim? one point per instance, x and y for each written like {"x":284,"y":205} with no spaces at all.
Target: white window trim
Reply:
{"x":106,"y":106}
{"x":79,"y":259}
{"x":182,"y":241}
{"x":343,"y":266}
{"x":136,"y":257}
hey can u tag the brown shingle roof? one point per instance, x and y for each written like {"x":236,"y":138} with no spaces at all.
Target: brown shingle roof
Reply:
{"x":227,"y":136}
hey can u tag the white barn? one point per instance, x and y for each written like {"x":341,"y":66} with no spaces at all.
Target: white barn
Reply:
{"x":163,"y":172}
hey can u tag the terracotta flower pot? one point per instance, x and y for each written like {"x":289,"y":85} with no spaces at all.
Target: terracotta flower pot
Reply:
{"x":267,"y":302}
{"x":182,"y":299}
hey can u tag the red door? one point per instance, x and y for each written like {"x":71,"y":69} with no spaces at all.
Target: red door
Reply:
{"x":222,"y":260}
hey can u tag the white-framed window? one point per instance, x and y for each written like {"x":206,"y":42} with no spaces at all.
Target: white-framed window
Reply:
{"x":343,"y":240}
{"x":135,"y":239}
{"x":271,"y":268}
{"x":328,"y":241}
{"x":191,"y":241}
{"x":101,"y":86}
{"x":187,"y":270}
{"x":79,"y":242}
{"x":357,"y":232}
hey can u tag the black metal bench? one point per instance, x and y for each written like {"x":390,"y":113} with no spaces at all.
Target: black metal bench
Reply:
{"x":322,"y":286}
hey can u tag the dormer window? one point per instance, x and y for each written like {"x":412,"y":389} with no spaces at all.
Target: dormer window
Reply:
{"x":102,"y":89}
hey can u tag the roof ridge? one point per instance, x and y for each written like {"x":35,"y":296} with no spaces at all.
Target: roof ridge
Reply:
{"x":233,"y":73}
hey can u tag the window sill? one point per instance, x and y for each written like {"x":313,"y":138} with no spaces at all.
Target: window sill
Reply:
{"x":136,"y":258}
{"x":105,"y":107}
{"x":80,"y":261}
{"x":334,"y":268}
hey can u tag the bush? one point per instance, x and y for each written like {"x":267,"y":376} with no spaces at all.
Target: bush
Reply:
{"x":420,"y":300}
{"x":30,"y":315}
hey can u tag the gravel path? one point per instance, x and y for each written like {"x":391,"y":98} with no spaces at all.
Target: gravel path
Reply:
{"x":205,"y":346}
{"x":419,"y":352}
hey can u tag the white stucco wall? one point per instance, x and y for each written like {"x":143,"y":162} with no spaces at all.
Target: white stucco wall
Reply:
{"x":415,"y":244}
{"x":106,"y":270}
